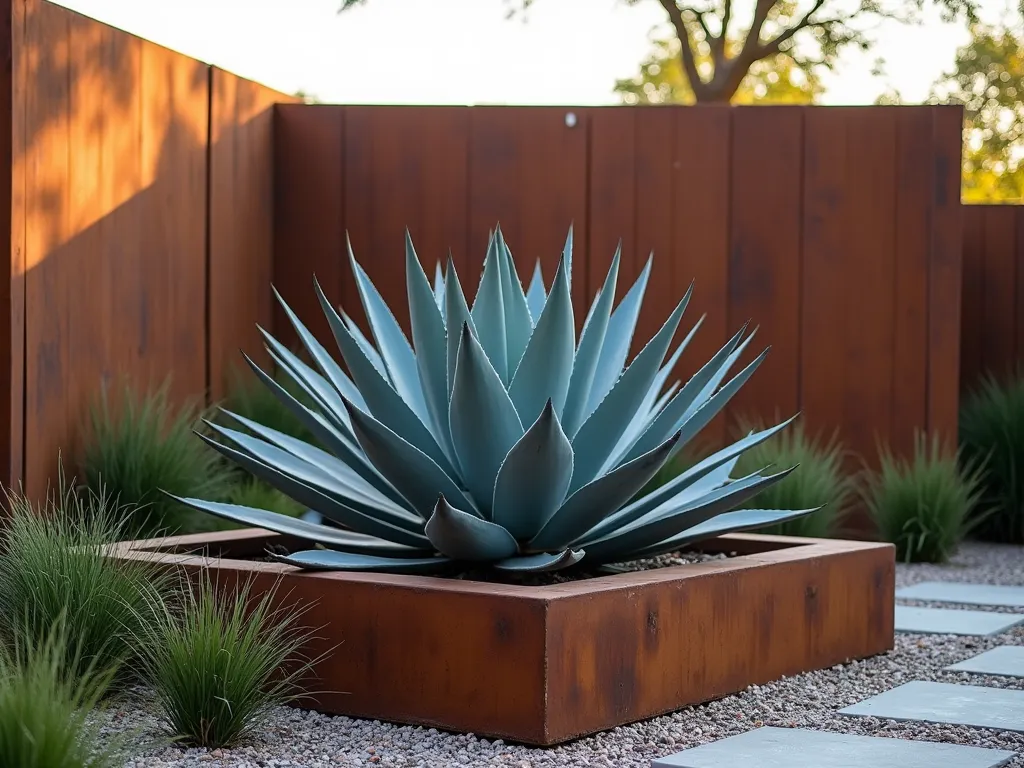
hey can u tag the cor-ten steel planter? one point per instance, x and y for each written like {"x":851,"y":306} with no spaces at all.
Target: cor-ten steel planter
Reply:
{"x":541,"y":665}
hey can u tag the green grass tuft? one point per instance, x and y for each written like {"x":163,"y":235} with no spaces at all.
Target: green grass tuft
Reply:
{"x":819,"y":480}
{"x":219,"y":663}
{"x":52,"y":568}
{"x":146,"y":447}
{"x":44,"y":714}
{"x":992,"y":433}
{"x":923,"y":505}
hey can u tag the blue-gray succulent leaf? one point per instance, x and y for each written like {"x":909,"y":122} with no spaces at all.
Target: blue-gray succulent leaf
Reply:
{"x":483,"y":420}
{"x":489,"y":314}
{"x":540,"y":563}
{"x":518,"y":322}
{"x":533,"y":478}
{"x":536,"y":294}
{"x":463,"y":536}
{"x":457,"y":314}
{"x":328,"y":560}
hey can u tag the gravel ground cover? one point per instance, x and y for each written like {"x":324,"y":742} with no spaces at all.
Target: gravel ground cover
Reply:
{"x":300,"y":739}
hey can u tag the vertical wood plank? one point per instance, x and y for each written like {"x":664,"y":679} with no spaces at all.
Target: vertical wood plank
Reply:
{"x":997,"y":344}
{"x":972,"y":325}
{"x":1018,"y":260}
{"x":700,"y":241}
{"x":528,"y":172}
{"x":913,"y":243}
{"x":308,"y":207}
{"x":868,"y":309}
{"x":612,"y":199}
{"x":944,"y":275}
{"x":14,"y":85}
{"x":405,"y":168}
{"x":828,"y":257}
{"x":764,"y":254}
{"x":241,"y":222}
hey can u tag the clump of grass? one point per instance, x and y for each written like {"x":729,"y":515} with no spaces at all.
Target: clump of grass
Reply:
{"x":992,"y":433}
{"x":220,"y":661}
{"x":819,"y":480}
{"x":252,"y":492}
{"x":45,"y":714}
{"x":146,"y":446}
{"x":53,"y":568}
{"x":923,"y":505}
{"x":252,"y":399}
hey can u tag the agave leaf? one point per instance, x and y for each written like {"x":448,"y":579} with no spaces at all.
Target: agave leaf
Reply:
{"x":315,"y":386}
{"x":719,"y":466}
{"x":670,"y":520}
{"x":348,"y":451}
{"x":365,"y":345}
{"x":589,"y":352}
{"x":518,"y":323}
{"x":412,"y":472}
{"x":489,"y":313}
{"x":456,"y":315}
{"x":533,"y":478}
{"x":718,"y":376}
{"x":327,"y":560}
{"x":392,"y":345}
{"x":673,"y":416}
{"x":428,"y":336}
{"x":337,"y":377}
{"x":264,"y":454}
{"x":462,"y":536}
{"x":728,"y":522}
{"x":601,"y":432}
{"x":547,"y":363}
{"x":567,"y":257}
{"x":535,"y":294}
{"x":439,"y":287}
{"x":658,"y":385}
{"x":484,"y":422}
{"x":595,"y":501}
{"x":384,"y":403}
{"x":541,"y":562}
{"x":380,"y":523}
{"x":618,"y":337}
{"x":348,"y":541}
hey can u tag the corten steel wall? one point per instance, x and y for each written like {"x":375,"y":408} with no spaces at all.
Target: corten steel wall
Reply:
{"x":836,"y":230}
{"x":141,"y":180}
{"x":992,"y":332}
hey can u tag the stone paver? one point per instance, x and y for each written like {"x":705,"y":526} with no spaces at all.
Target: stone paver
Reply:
{"x":968,"y":594}
{"x":928,"y":702}
{"x":947,"y":621}
{"x":1005,"y":660}
{"x":798,"y":748}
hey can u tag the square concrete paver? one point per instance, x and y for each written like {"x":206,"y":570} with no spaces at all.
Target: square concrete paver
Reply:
{"x":947,"y":621}
{"x":798,"y":748}
{"x":972,"y":705}
{"x":1005,"y":660}
{"x":969,"y":594}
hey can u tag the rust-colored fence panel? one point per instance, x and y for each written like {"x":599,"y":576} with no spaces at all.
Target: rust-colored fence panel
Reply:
{"x":112,"y":248}
{"x":992,"y":330}
{"x":834,"y":230}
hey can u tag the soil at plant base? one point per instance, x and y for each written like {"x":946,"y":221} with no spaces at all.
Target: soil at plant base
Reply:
{"x":492,"y":576}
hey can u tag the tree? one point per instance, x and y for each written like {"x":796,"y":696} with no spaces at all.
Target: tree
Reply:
{"x":661,"y":80}
{"x":988,"y":79}
{"x":810,"y":32}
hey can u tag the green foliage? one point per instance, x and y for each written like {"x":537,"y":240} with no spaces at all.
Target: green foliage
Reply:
{"x":44,"y":714}
{"x":988,"y":79}
{"x":254,"y":401}
{"x":220,"y":661}
{"x":820,"y":480}
{"x":923,"y":505}
{"x":52,"y":569}
{"x":144,"y":446}
{"x":992,"y":433}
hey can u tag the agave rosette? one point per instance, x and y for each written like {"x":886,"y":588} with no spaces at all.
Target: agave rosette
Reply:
{"x":493,"y":437}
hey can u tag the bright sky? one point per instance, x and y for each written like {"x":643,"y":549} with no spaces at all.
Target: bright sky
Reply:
{"x":466,"y":52}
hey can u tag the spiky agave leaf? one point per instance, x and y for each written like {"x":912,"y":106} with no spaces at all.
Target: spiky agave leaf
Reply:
{"x":492,"y":437}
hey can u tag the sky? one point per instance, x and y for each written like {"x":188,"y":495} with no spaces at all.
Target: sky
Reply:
{"x":467,"y":52}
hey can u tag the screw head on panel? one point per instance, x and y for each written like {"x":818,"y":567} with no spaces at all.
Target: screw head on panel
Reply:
{"x":570,"y":119}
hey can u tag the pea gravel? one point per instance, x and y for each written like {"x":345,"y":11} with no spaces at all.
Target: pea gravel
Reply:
{"x":301,"y":739}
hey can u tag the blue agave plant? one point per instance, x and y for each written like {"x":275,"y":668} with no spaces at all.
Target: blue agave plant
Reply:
{"x":494,"y":438}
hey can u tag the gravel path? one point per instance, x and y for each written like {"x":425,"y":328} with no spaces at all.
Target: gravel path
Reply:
{"x":308,"y":740}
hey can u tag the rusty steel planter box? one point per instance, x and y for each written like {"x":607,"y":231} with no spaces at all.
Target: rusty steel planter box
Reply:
{"x":541,"y":665}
